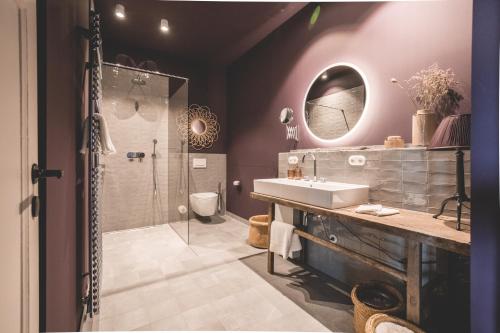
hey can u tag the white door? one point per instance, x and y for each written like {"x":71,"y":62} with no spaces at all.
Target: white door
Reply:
{"x":18,"y":151}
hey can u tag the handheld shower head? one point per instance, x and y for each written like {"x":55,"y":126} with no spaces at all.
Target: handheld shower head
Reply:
{"x":155,"y":142}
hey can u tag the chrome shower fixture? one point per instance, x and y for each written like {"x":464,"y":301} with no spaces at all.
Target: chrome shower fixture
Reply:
{"x":139,"y":81}
{"x":155,"y":142}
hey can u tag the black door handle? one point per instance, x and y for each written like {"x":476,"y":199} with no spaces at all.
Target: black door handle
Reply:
{"x":37,"y":173}
{"x":35,"y":206}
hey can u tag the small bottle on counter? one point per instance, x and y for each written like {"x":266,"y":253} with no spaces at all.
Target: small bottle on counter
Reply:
{"x":298,"y":173}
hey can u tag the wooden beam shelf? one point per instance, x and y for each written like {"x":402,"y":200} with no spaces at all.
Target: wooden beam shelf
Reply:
{"x":359,"y":257}
{"x":416,"y":227}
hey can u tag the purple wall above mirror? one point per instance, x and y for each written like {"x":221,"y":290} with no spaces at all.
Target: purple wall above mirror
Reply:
{"x":383,"y":40}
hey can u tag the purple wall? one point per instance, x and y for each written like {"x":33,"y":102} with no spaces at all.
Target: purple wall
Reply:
{"x":485,"y":252}
{"x":207,"y":85}
{"x":383,"y":40}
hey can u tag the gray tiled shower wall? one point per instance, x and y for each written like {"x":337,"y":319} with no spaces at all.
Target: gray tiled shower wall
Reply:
{"x":410,"y":178}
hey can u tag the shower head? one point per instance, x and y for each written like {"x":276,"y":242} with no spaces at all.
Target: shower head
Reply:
{"x":138,"y":81}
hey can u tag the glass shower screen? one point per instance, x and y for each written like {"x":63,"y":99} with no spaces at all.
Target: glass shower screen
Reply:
{"x":145,"y":182}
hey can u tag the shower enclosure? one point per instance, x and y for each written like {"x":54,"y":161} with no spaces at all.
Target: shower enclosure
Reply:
{"x":145,"y":183}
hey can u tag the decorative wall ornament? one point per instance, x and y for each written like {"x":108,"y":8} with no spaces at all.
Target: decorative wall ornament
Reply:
{"x":198,"y":126}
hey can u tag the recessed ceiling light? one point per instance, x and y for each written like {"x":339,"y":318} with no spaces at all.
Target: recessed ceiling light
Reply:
{"x":120,"y":11}
{"x":164,"y":25}
{"x":324,"y":76}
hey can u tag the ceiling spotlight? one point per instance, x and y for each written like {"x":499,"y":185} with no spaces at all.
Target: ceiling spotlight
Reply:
{"x":324,"y":76}
{"x":120,"y":11}
{"x":164,"y":25}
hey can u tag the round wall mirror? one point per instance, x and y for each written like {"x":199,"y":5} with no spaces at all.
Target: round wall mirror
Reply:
{"x":198,"y":126}
{"x":335,"y":102}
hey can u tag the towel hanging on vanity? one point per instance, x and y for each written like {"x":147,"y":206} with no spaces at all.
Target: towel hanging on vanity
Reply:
{"x":283,"y":240}
{"x":105,"y":142}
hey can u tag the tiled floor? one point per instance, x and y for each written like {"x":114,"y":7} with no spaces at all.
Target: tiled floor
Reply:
{"x":153,"y":281}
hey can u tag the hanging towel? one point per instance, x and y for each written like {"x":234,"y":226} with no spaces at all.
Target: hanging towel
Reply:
{"x":105,"y":143}
{"x":377,"y":210}
{"x":283,"y":240}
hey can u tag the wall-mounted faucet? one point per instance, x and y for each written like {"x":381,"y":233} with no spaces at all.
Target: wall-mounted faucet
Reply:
{"x":314,"y":160}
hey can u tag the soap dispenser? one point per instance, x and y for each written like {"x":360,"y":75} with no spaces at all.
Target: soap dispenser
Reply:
{"x":298,"y":172}
{"x":293,"y":167}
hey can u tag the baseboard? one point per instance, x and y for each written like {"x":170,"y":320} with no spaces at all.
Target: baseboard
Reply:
{"x":237,"y":217}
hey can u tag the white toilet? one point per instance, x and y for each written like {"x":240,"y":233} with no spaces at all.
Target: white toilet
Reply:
{"x":204,"y":204}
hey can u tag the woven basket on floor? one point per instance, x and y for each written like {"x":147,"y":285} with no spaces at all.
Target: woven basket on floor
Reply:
{"x":258,"y":231}
{"x":379,"y":318}
{"x":362,"y":311}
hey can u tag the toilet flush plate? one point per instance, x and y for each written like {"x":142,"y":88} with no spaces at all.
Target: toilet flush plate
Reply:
{"x":199,"y":163}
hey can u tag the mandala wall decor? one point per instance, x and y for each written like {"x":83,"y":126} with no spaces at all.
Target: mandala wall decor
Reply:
{"x":198,"y":126}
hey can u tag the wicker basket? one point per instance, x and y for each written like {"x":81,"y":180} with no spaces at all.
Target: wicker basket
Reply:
{"x":362,"y":311}
{"x":258,"y":231}
{"x":376,"y":319}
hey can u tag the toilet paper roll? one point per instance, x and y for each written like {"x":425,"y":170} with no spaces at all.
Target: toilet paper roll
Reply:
{"x":182,"y":209}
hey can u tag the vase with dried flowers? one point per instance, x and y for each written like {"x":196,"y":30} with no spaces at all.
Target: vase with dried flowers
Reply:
{"x":433,"y":93}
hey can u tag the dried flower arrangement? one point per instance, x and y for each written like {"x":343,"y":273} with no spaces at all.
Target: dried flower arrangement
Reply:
{"x":433,"y":89}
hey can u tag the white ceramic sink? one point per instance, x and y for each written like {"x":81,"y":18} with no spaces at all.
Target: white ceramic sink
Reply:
{"x":323,"y":194}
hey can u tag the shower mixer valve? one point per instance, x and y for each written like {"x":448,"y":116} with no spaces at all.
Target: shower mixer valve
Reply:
{"x":133,"y":155}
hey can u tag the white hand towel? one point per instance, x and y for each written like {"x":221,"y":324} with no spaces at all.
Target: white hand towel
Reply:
{"x":363,"y":209}
{"x":85,"y":138}
{"x":377,"y":210}
{"x":385,"y":211}
{"x":386,"y":327}
{"x":283,"y":240}
{"x":106,"y":145}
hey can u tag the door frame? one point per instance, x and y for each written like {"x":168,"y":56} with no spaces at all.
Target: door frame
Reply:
{"x":41,"y":33}
{"x":30,"y":248}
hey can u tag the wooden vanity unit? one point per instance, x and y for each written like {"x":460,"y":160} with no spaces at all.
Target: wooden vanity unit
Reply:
{"x":416,"y":227}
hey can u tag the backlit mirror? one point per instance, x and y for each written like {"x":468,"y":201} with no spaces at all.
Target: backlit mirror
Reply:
{"x":335,"y":102}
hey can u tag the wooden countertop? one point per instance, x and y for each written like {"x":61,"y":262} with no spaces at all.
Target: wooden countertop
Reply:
{"x":409,"y":224}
